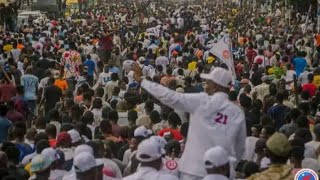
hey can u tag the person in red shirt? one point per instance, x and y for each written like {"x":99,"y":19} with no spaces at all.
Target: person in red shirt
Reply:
{"x":310,"y":87}
{"x":250,"y":54}
{"x":7,"y":90}
{"x":173,"y":130}
{"x":51,"y":131}
{"x":167,"y":78}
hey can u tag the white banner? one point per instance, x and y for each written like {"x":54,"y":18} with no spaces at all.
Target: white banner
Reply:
{"x":222,"y":49}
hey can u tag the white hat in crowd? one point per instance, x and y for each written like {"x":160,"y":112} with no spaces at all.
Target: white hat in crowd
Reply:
{"x":216,"y":157}
{"x":149,"y":150}
{"x":83,"y":148}
{"x":75,"y":135}
{"x":220,"y":76}
{"x":85,"y":161}
{"x":141,"y":131}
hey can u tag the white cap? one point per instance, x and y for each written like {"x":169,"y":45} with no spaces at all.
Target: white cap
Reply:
{"x":220,"y":76}
{"x":50,"y":152}
{"x":85,"y":161}
{"x":141,"y":59}
{"x":75,"y":135}
{"x":160,"y":140}
{"x":217,"y":156}
{"x":141,"y":131}
{"x":83,"y":148}
{"x":148,"y":151}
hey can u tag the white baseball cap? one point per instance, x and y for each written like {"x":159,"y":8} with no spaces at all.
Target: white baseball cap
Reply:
{"x":220,"y":76}
{"x":216,"y":157}
{"x":160,"y":140}
{"x":85,"y":161}
{"x":83,"y":148}
{"x":50,"y":152}
{"x":149,"y":150}
{"x":75,"y":135}
{"x":141,"y":131}
{"x":141,"y":59}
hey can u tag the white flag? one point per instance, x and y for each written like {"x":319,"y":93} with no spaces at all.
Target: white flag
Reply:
{"x":222,"y":49}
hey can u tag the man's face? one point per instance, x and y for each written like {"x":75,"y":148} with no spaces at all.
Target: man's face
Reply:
{"x":133,"y":144}
{"x":210,"y":87}
{"x":254,"y":132}
{"x":264,"y":134}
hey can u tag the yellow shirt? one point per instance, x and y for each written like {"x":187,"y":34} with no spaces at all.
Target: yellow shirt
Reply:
{"x":192,"y":66}
{"x":316,"y":80}
{"x":28,"y":169}
{"x":7,"y":48}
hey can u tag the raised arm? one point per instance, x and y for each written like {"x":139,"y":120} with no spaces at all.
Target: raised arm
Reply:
{"x":184,"y":102}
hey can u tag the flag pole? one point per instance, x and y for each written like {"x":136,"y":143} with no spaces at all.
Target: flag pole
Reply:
{"x":231,"y":57}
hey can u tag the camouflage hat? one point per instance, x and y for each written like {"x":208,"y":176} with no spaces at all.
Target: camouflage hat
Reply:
{"x":279,"y":145}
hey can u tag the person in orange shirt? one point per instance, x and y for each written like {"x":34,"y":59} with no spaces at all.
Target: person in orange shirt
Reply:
{"x":20,"y":45}
{"x":60,"y":81}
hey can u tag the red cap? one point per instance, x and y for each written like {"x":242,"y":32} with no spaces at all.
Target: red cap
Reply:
{"x":63,"y":137}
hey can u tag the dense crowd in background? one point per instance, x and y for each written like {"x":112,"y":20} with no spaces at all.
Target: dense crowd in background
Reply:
{"x":73,"y":108}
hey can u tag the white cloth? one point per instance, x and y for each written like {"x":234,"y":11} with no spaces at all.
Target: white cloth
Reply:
{"x":57,"y":174}
{"x":215,"y":177}
{"x":250,"y":146}
{"x":147,"y":173}
{"x":171,"y":166}
{"x":223,"y":125}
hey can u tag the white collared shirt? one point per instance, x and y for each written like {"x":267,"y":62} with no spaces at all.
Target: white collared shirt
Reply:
{"x":214,"y":120}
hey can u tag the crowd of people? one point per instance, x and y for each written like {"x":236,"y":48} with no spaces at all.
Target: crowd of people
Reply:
{"x":133,"y":91}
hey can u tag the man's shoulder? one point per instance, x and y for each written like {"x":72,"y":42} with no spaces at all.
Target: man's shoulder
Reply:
{"x":282,"y":172}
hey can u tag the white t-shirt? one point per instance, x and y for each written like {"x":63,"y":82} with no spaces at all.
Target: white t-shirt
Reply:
{"x":104,"y":78}
{"x":250,"y":146}
{"x":163,"y":61}
{"x":127,"y":64}
{"x":43,"y":83}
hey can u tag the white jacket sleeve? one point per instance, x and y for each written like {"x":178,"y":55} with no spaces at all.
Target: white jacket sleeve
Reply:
{"x":179,"y":101}
{"x":241,"y":139}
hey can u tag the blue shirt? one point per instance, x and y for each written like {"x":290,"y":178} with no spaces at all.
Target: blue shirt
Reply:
{"x":5,"y":124}
{"x":114,"y":70}
{"x":90,"y":65}
{"x":299,"y":65}
{"x":30,"y":83}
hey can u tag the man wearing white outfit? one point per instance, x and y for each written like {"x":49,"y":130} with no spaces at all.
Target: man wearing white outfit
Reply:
{"x":214,"y":120}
